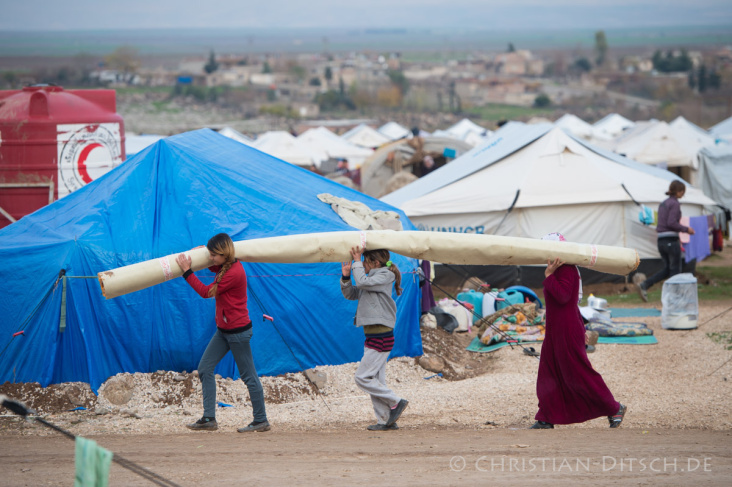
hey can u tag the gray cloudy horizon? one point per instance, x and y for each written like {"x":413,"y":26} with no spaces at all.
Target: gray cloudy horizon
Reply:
{"x":77,"y":15}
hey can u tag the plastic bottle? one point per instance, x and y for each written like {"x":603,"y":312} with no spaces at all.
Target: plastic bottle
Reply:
{"x":489,"y":302}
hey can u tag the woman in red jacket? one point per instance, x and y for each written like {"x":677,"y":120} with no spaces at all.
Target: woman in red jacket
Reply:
{"x":233,"y":331}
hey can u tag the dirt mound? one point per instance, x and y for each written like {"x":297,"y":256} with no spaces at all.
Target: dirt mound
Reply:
{"x":450,"y":347}
{"x":156,"y":390}
{"x":181,"y":389}
{"x":52,"y":399}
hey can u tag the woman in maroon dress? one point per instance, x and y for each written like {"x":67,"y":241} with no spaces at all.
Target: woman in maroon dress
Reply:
{"x":568,"y":388}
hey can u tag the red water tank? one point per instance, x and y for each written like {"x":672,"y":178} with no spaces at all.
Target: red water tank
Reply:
{"x":52,"y":142}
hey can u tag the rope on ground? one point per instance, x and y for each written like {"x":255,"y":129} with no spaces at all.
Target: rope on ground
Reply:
{"x":22,"y":410}
{"x":710,"y":319}
{"x":728,"y":361}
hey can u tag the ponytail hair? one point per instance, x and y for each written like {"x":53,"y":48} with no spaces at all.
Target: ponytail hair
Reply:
{"x":223,"y":245}
{"x":675,"y":188}
{"x":382,"y":257}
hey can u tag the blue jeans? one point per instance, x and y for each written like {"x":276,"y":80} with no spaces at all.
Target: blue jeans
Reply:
{"x":219,"y":346}
{"x":670,"y":250}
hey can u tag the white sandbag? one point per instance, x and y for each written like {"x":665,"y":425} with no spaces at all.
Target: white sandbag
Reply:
{"x":462,"y":315}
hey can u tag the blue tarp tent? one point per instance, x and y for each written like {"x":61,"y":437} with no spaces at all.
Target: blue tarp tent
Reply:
{"x":171,"y":197}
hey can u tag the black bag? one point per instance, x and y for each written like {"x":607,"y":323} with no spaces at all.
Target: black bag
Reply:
{"x":445,"y":320}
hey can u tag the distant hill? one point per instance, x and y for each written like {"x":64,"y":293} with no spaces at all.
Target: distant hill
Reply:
{"x":249,"y":40}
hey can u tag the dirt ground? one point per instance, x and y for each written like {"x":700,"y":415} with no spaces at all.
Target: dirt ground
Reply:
{"x":411,"y":456}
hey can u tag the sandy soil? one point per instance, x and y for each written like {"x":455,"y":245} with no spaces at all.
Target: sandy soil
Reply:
{"x":411,"y":456}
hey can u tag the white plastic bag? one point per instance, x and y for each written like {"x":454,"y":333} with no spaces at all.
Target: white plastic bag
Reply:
{"x":680,"y":302}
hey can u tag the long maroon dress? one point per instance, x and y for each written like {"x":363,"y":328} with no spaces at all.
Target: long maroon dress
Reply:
{"x":568,"y":388}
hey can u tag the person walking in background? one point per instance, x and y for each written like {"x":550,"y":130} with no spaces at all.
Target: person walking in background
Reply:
{"x":233,"y":331}
{"x":669,"y":245}
{"x":376,"y":313}
{"x":568,"y":388}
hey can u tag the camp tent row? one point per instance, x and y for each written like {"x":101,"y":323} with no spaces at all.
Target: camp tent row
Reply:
{"x":611,"y":126}
{"x":530,"y":180}
{"x":669,"y":145}
{"x":606,"y":129}
{"x":171,"y":197}
{"x":316,"y":145}
{"x":323,"y":140}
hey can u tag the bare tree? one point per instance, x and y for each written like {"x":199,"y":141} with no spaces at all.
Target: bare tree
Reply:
{"x":124,"y":59}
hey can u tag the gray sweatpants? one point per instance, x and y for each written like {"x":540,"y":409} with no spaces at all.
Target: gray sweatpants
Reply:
{"x":371,"y":378}
{"x":219,"y":346}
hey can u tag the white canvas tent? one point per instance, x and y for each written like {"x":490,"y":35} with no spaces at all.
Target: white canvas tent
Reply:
{"x":611,"y":126}
{"x":236,"y":135}
{"x":681,"y":123}
{"x":723,"y":130}
{"x":364,"y":136}
{"x":376,"y":171}
{"x":323,"y":140}
{"x":283,"y":145}
{"x":576,"y":126}
{"x":471,"y":138}
{"x":658,"y":143}
{"x":529,"y":180}
{"x":467,"y":131}
{"x":466,"y":126}
{"x":715,"y":173}
{"x":394,"y":131}
{"x":136,"y":143}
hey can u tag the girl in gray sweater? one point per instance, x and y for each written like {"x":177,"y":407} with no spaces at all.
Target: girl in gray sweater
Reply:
{"x":376,"y":313}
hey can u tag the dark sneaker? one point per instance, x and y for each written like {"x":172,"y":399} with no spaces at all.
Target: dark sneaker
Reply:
{"x":204,"y":424}
{"x":638,"y":278}
{"x":530,"y":351}
{"x":642,"y":293}
{"x":618,"y":417}
{"x":382,"y":427}
{"x":542,"y":425}
{"x":260,"y":427}
{"x":397,"y":411}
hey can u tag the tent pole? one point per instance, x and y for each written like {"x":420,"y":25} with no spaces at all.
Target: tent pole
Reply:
{"x":510,"y":208}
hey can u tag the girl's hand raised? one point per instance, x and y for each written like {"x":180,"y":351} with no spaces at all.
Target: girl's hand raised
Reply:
{"x":183,"y":261}
{"x":552,"y":266}
{"x":346,"y":268}
{"x":356,"y":253}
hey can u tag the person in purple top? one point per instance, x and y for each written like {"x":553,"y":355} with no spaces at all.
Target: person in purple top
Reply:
{"x":669,"y":245}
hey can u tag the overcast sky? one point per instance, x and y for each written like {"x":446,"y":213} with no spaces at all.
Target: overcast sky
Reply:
{"x":77,"y":15}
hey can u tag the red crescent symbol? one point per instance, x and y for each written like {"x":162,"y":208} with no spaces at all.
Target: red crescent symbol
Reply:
{"x":81,"y":164}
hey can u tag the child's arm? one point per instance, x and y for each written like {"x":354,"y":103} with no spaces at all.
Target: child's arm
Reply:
{"x":348,"y":290}
{"x":364,"y":281}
